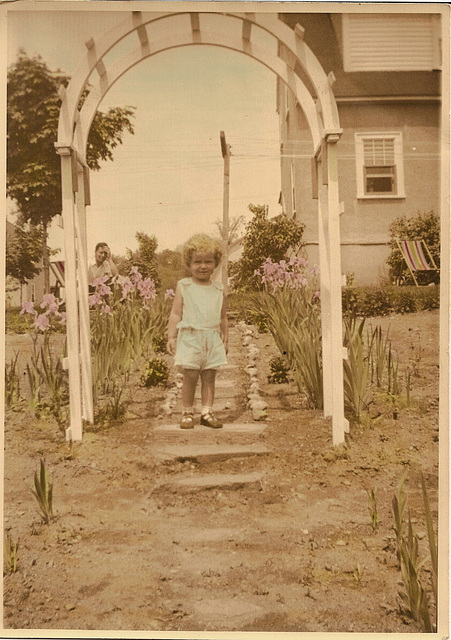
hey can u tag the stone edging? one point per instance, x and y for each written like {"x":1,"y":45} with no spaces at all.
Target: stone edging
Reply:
{"x":174,"y":391}
{"x":256,"y":403}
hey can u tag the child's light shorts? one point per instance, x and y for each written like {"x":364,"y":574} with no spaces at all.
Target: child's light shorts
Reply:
{"x":199,"y":349}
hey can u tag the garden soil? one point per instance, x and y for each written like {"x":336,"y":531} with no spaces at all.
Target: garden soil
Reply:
{"x":261,"y":526}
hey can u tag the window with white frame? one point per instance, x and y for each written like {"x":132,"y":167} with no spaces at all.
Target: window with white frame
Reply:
{"x":379,"y":165}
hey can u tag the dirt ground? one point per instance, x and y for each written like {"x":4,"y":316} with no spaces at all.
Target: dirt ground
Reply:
{"x":276,"y":539}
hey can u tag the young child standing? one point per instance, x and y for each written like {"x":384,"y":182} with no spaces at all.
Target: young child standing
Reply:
{"x":197,"y":330}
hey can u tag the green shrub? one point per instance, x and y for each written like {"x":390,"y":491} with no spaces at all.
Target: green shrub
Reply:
{"x":16,"y":323}
{"x":155,"y":373}
{"x":238,"y":307}
{"x":295,"y":324}
{"x":424,"y":226}
{"x":382,"y":301}
{"x":263,"y":237}
{"x":159,"y":343}
{"x":279,"y":371}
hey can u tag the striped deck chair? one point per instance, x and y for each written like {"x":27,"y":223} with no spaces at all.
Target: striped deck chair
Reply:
{"x":414,"y":253}
{"x":57,"y":267}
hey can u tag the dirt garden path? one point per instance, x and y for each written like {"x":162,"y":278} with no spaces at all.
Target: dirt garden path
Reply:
{"x":260,"y":526}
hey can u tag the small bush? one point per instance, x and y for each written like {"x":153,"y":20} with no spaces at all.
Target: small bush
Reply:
{"x":12,"y":383}
{"x":155,"y":373}
{"x":382,"y":301}
{"x":424,"y":226}
{"x":16,"y":323}
{"x":238,"y":306}
{"x":279,"y":371}
{"x":159,"y":343}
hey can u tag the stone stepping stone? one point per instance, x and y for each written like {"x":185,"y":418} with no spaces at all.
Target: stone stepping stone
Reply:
{"x":222,"y":383}
{"x":222,"y":481}
{"x":221,"y":404}
{"x":209,"y":452}
{"x":232,"y":427}
{"x":228,"y":612}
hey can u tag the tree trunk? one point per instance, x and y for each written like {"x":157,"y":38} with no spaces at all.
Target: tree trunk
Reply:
{"x":45,"y":259}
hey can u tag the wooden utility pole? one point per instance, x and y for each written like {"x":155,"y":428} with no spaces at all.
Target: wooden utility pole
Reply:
{"x":225,"y":149}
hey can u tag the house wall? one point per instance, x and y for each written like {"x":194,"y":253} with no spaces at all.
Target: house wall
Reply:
{"x":370,"y":101}
{"x":364,"y":223}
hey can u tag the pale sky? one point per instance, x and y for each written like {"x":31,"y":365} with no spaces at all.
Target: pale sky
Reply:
{"x":167,"y":179}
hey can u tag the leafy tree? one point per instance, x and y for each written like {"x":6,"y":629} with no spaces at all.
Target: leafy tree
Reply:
{"x":144,"y":257}
{"x":23,"y":253}
{"x":424,"y":226}
{"x":264,"y":238}
{"x":170,"y":268}
{"x":33,"y":166}
{"x":120,"y":262}
{"x":236,"y":225}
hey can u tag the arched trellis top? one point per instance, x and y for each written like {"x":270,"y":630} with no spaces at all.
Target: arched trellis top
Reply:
{"x":140,"y":35}
{"x":190,"y":28}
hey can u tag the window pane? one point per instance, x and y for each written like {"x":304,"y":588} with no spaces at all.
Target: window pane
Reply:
{"x":380,"y":180}
{"x":379,"y":185}
{"x":379,"y":151}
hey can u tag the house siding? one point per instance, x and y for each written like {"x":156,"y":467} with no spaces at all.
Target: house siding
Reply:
{"x":364,"y":223}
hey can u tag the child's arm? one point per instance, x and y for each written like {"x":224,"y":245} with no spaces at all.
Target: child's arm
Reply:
{"x":224,"y":326}
{"x":174,"y":319}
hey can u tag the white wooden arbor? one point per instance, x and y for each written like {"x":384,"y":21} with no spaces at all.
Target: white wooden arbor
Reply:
{"x":263,"y":37}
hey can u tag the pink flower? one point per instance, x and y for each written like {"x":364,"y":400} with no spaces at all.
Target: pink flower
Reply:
{"x":63,"y":318}
{"x":94,"y":299}
{"x":42,"y":322}
{"x":106,"y":308}
{"x":135,"y":275}
{"x":147,"y":288}
{"x":127,"y":286}
{"x":47,"y":300}
{"x":97,"y":281}
{"x":27,"y":307}
{"x":53,"y":308}
{"x":315,"y":270}
{"x":169,"y":294}
{"x":103,"y":290}
{"x":316,"y":295}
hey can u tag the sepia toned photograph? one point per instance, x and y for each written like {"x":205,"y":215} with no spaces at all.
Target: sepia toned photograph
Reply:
{"x":226,"y":319}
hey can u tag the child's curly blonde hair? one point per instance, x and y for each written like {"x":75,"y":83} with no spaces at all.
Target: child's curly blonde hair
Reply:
{"x":201,"y":242}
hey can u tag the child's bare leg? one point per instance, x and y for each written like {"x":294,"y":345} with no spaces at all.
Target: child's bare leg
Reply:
{"x":207,"y":377}
{"x":208,"y":395}
{"x":190,"y":378}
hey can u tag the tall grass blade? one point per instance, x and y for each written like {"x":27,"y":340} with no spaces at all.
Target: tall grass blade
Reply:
{"x":433,"y":547}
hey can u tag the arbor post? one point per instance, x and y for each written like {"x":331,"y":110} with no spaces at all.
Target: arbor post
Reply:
{"x":338,"y":352}
{"x":74,"y":431}
{"x":83,"y":304}
{"x":324,"y":274}
{"x":225,"y":149}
